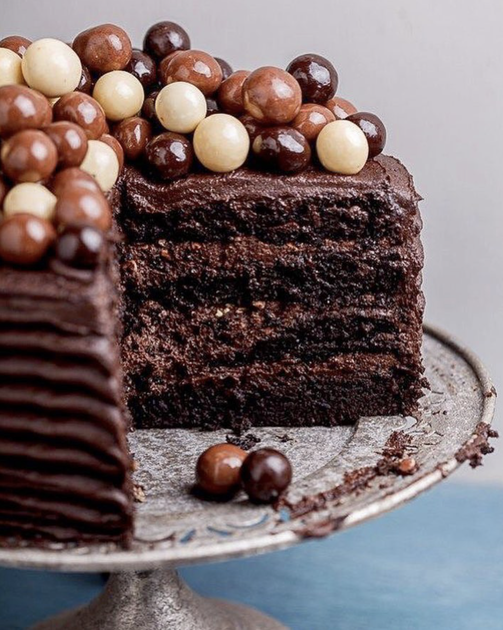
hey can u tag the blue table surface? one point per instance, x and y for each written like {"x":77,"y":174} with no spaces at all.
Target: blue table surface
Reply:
{"x":436,"y":563}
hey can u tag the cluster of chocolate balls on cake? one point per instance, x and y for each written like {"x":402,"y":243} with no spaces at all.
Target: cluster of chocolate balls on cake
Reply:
{"x":177,"y":109}
{"x":223,"y":469}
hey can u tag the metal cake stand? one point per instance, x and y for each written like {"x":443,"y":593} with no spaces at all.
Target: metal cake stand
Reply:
{"x":339,"y":481}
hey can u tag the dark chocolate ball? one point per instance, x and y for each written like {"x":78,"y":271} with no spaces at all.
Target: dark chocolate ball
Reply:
{"x":374,"y":130}
{"x":317,"y":77}
{"x":212,"y":106}
{"x":22,"y":108}
{"x":25,"y":239}
{"x":143,"y":67}
{"x":84,"y":111}
{"x":148,"y":110}
{"x":29,"y":156}
{"x":226,"y":68}
{"x":311,"y":119}
{"x":16,"y":43}
{"x":272,"y":96}
{"x":4,"y":189}
{"x":265,"y":474}
{"x":230,"y":93}
{"x":340,"y":107}
{"x":86,"y":81}
{"x":218,"y":470}
{"x":195,"y":67}
{"x":164,"y":38}
{"x":170,"y":154}
{"x":74,"y":177}
{"x":103,"y":48}
{"x":70,"y":141}
{"x":133,"y":134}
{"x":80,"y":246}
{"x":253,"y":127}
{"x":282,"y":148}
{"x":77,"y":204}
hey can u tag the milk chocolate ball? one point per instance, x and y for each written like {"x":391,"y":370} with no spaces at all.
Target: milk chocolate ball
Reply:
{"x":29,"y":156}
{"x":230,"y":93}
{"x":120,"y":94}
{"x":143,"y":67}
{"x":374,"y":130}
{"x":311,"y":119}
{"x":10,"y":68}
{"x":221,"y":143}
{"x":114,"y":144}
{"x":104,"y":48}
{"x":133,"y":134}
{"x":70,"y":141}
{"x":283,"y":149}
{"x":80,"y":246}
{"x":16,"y":43}
{"x":80,"y":205}
{"x":218,"y":470}
{"x":25,"y":239}
{"x":340,"y":107}
{"x":84,"y":111}
{"x":225,"y":67}
{"x":180,"y":107}
{"x":51,"y":67}
{"x":74,"y":177}
{"x":30,"y":198}
{"x":272,"y":96}
{"x":195,"y":67}
{"x":170,"y":155}
{"x":164,"y":38}
{"x":102,"y":163}
{"x":86,"y":81}
{"x":317,"y":77}
{"x":342,"y":147}
{"x":265,"y":474}
{"x":22,"y":108}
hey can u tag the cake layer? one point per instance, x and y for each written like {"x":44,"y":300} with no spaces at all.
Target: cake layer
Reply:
{"x":380,"y":201}
{"x":184,"y":275}
{"x":281,"y":393}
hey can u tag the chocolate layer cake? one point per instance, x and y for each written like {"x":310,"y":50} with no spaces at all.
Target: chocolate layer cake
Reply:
{"x":187,"y":247}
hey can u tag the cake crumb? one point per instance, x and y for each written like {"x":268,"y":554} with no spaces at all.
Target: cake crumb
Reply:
{"x":139,"y":493}
{"x":246,"y":442}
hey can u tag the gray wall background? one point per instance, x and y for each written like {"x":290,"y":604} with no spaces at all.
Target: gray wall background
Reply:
{"x":430,"y":68}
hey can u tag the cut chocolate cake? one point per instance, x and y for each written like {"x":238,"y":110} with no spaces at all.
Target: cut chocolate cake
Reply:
{"x":256,"y":261}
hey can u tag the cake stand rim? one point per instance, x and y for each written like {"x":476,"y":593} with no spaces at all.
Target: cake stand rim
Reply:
{"x":131,"y":560}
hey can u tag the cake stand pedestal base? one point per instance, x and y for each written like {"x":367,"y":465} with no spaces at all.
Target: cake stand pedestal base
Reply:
{"x":157,"y":600}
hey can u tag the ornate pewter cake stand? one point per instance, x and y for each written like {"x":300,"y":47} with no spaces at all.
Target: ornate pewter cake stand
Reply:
{"x":174,"y":528}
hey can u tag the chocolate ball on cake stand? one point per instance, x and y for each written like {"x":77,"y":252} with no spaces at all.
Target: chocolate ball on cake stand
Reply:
{"x":343,"y":476}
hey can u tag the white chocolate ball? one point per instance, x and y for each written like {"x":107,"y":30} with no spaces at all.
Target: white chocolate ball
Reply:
{"x":10,"y":68}
{"x":221,"y":143}
{"x":32,"y":199}
{"x":342,"y":147}
{"x":120,"y":94}
{"x":102,"y":163}
{"x":51,"y":67}
{"x":180,"y":107}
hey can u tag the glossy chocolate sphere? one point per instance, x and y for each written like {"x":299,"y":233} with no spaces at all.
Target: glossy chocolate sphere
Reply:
{"x":11,"y":72}
{"x":342,"y":147}
{"x":317,"y":77}
{"x":195,"y":67}
{"x":4,"y":189}
{"x":86,"y":81}
{"x":143,"y":67}
{"x":120,"y":94}
{"x":230,"y":93}
{"x":212,"y":106}
{"x":374,"y":130}
{"x":70,"y":141}
{"x":74,"y":177}
{"x":104,"y":48}
{"x":16,"y":43}
{"x":226,"y":68}
{"x":25,"y":239}
{"x":148,"y":110}
{"x":22,"y":108}
{"x":80,"y":246}
{"x":80,"y":205}
{"x":29,"y":156}
{"x":164,"y":38}
{"x":340,"y":107}
{"x":51,"y":67}
{"x":272,"y":96}
{"x":311,"y":119}
{"x":133,"y":134}
{"x":102,"y":163}
{"x":84,"y":111}
{"x":30,"y":198}
{"x":265,"y":474}
{"x":180,"y":107}
{"x":252,"y":126}
{"x":170,"y":155}
{"x":221,"y":143}
{"x":114,"y":144}
{"x":282,"y":148}
{"x":218,"y":470}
